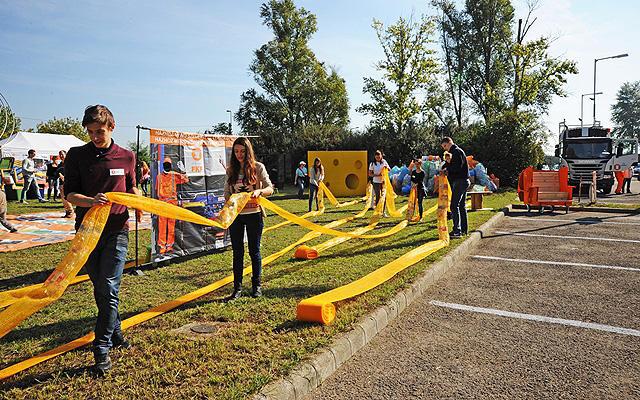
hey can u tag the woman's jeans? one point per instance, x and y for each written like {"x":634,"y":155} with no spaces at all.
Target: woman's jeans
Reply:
{"x":104,"y":266}
{"x":377,"y":192}
{"x":300,"y":184}
{"x":253,"y":224}
{"x":458,"y":207}
{"x":53,"y":187}
{"x":313,"y":191}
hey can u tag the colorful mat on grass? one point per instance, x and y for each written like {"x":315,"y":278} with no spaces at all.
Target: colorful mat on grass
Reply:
{"x":48,"y":227}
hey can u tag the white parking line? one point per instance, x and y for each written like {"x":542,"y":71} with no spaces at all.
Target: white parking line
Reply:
{"x":568,"y":237}
{"x":577,"y":221}
{"x":558,"y":263}
{"x":539,"y":318}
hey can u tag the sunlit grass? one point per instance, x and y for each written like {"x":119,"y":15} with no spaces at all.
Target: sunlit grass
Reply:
{"x":260,"y":339}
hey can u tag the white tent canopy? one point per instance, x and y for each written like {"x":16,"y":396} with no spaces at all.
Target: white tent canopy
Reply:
{"x":46,"y":145}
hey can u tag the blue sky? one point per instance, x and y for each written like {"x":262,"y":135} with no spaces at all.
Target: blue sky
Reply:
{"x":181,"y":65}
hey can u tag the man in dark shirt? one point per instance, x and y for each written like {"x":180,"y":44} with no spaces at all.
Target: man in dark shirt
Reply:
{"x":90,"y":171}
{"x":457,"y":171}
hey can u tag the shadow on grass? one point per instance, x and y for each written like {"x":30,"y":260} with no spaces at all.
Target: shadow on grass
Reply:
{"x":31,"y":278}
{"x":58,"y":333}
{"x":67,"y":373}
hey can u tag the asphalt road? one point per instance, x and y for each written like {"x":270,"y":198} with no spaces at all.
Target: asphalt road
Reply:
{"x":545,"y":307}
{"x":626,"y":198}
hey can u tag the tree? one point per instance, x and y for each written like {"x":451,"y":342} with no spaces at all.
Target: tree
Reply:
{"x":143,"y":154}
{"x":491,"y":66}
{"x":9,"y":123}
{"x":506,"y":145}
{"x":409,"y":69}
{"x":297,"y":91}
{"x":625,"y":113}
{"x":64,"y":126}
{"x":476,"y":47}
{"x":221,"y":128}
{"x":537,"y":77}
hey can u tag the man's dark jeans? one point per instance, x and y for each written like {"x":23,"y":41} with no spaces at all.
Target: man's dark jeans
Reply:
{"x":104,"y":266}
{"x":253,"y":224}
{"x":458,"y":207}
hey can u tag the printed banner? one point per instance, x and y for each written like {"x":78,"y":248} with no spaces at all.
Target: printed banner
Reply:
{"x":188,"y":170}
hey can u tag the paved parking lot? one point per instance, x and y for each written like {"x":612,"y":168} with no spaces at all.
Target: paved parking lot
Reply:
{"x":546,"y":306}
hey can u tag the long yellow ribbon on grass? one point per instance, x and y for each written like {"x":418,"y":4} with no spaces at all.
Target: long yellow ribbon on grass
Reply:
{"x":321,"y":309}
{"x":85,"y":241}
{"x":153,"y":312}
{"x":90,"y":230}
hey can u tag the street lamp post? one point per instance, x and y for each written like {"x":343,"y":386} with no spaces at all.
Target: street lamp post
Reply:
{"x":582,"y":105}
{"x":230,"y":130}
{"x":594,"y":80}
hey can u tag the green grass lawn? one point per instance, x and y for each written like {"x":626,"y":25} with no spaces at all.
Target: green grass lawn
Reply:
{"x":258,"y":340}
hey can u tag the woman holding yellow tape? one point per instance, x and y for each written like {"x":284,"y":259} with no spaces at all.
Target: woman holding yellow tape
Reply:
{"x":316,"y":175}
{"x":245,"y":174}
{"x":376,"y":169}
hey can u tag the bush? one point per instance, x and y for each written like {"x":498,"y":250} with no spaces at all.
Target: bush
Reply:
{"x":506,"y":145}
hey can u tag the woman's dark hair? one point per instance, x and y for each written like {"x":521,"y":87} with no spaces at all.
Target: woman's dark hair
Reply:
{"x":250,"y":175}
{"x":381,"y":156}
{"x":316,"y":168}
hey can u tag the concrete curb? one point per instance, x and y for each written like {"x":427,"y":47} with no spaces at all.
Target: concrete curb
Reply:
{"x":311,"y":374}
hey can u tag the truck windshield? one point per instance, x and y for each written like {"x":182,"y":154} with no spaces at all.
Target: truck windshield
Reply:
{"x":587,"y":150}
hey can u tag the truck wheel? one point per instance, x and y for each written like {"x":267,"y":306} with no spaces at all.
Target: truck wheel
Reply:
{"x":528,"y":208}
{"x":606,"y":189}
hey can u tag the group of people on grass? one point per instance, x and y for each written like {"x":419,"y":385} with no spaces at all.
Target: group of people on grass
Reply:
{"x":102,"y":166}
{"x":55,"y":180}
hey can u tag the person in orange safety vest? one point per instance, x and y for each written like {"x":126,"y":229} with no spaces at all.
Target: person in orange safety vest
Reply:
{"x":166,"y":188}
{"x":620,"y":178}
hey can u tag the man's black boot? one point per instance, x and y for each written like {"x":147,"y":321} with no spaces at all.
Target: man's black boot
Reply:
{"x":119,"y":341}
{"x":103,"y":363}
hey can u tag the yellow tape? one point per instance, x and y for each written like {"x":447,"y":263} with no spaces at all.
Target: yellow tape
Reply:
{"x":321,"y":309}
{"x":81,"y":247}
{"x":153,"y":312}
{"x":86,"y":239}
{"x":91,"y":229}
{"x":11,"y":296}
{"x":332,"y":199}
{"x":391,"y":194}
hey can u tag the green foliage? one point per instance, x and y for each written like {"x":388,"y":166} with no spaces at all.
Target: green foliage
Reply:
{"x":476,"y":48}
{"x":64,"y":126}
{"x":508,"y":144}
{"x":537,"y":76}
{"x":625,"y":113}
{"x":491,"y":66}
{"x":297,"y":90}
{"x":221,"y":128}
{"x":143,"y":151}
{"x":409,"y":69}
{"x":416,"y":140}
{"x":9,"y":123}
